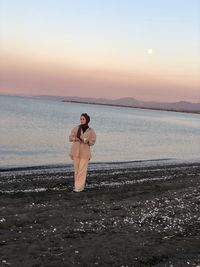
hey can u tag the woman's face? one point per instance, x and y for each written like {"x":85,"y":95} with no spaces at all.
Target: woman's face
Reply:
{"x":83,"y":120}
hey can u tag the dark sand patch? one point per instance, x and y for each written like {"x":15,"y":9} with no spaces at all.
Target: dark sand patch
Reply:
{"x":126,"y":217}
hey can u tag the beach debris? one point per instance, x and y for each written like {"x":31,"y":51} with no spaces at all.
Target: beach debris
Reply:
{"x":3,"y":220}
{"x":5,"y":262}
{"x":2,"y":242}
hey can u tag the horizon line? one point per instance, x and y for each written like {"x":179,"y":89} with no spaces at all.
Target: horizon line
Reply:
{"x":107,"y":98}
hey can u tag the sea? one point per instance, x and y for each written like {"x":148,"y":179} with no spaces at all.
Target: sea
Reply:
{"x":35,"y":131}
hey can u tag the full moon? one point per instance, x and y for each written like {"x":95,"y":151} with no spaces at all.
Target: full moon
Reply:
{"x":149,"y":51}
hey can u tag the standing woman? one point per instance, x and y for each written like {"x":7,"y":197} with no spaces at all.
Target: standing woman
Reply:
{"x":82,"y":137}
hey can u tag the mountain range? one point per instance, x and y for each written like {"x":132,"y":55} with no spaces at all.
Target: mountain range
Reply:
{"x":183,"y":106}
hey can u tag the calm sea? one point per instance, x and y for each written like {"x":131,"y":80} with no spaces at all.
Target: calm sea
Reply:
{"x":35,"y":132}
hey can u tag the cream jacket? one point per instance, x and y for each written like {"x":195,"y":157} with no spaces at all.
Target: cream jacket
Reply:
{"x":80,"y":149}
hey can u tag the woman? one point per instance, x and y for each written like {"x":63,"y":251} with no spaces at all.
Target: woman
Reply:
{"x":82,"y":137}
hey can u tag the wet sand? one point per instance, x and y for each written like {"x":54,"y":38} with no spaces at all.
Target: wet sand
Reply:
{"x":127,"y":216}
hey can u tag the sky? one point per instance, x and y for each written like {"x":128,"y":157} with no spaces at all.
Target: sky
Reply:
{"x":147,"y":49}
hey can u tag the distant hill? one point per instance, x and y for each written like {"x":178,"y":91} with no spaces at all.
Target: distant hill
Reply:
{"x":182,"y":106}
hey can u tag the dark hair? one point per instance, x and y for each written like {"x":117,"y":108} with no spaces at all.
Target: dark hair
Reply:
{"x":87,"y":117}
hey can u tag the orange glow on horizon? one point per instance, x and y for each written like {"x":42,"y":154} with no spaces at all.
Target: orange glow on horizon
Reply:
{"x":48,"y":76}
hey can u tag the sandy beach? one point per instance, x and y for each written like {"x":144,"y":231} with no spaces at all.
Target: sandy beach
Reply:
{"x":127,"y":216}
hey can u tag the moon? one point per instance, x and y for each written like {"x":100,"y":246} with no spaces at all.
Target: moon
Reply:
{"x":149,"y":51}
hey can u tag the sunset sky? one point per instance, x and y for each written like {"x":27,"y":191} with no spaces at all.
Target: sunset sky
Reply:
{"x":146,"y":49}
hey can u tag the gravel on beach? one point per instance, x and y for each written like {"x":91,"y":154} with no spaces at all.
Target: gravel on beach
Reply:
{"x":127,"y":216}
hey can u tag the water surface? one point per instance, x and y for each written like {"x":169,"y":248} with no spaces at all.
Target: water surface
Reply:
{"x":35,"y":132}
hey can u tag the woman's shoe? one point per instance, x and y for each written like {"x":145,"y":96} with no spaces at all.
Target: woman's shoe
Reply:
{"x":76,"y":190}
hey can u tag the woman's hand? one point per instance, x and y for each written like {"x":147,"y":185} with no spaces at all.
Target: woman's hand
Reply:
{"x":76,"y":139}
{"x":85,"y":140}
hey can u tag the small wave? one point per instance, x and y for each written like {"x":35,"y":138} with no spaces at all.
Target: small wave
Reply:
{"x":55,"y":168}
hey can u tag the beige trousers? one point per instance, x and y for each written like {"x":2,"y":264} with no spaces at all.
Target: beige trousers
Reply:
{"x":80,"y":173}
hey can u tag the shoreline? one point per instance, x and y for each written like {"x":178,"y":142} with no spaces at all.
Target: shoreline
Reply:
{"x":126,"y":106}
{"x":133,"y":214}
{"x":101,"y":164}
